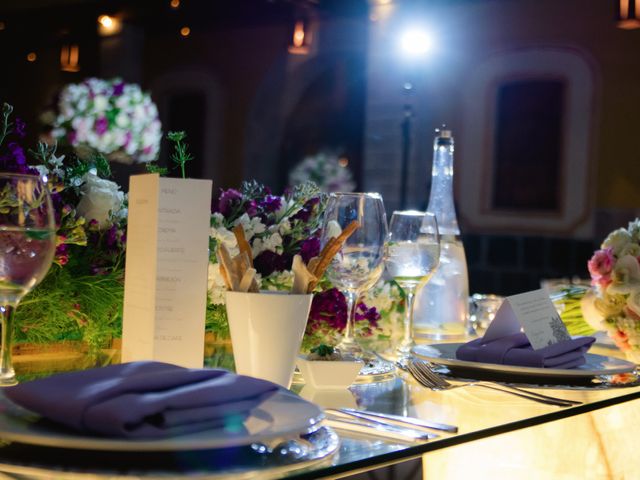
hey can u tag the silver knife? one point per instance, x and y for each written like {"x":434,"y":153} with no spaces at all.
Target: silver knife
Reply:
{"x":416,"y":422}
{"x":379,"y":429}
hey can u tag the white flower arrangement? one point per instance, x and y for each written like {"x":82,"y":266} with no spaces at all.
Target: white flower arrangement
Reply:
{"x":325,"y":170}
{"x":615,"y":274}
{"x":113,"y":118}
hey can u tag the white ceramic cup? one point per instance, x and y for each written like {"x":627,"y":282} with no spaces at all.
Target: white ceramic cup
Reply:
{"x":266,"y":332}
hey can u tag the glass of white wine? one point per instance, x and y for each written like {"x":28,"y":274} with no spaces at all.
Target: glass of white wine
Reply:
{"x":27,"y":246}
{"x":413,"y":253}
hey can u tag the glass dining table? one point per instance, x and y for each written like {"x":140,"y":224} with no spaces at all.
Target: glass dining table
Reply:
{"x":497,"y":433}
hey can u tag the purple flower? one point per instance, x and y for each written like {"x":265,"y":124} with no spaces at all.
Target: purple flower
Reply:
{"x":371,"y":315}
{"x":271,"y":203}
{"x":112,"y":236}
{"x":328,"y":308}
{"x":305,"y":212}
{"x":118,"y":89}
{"x":102,"y":125}
{"x":17,"y":153}
{"x":72,"y":136}
{"x":20,"y":127}
{"x":251,"y":208}
{"x":268,"y":262}
{"x":310,"y":248}
{"x":228,"y":201}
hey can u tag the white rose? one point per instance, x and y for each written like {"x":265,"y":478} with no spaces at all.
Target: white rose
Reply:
{"x":617,"y":240}
{"x":626,"y":276}
{"x":100,"y":199}
{"x":100,"y":103}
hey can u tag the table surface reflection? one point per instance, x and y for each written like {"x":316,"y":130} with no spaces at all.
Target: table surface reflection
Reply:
{"x":479,"y":413}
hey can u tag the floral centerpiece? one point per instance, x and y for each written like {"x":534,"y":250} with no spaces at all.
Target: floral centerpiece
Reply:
{"x":615,"y":274}
{"x":110,"y":117}
{"x":277,"y":228}
{"x":82,"y":293}
{"x":326,"y":171}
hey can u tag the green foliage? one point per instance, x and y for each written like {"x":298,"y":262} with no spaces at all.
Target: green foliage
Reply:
{"x":180,"y":155}
{"x":323,"y":350}
{"x":67,"y":306}
{"x":568,"y":302}
{"x":216,"y":320}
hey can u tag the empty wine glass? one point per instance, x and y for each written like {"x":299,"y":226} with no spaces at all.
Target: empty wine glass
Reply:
{"x":360,"y":262}
{"x":413,"y":252}
{"x":27,"y":246}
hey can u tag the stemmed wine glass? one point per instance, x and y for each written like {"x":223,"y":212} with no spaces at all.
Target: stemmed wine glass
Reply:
{"x":413,"y":253}
{"x":27,"y":246}
{"x":360,"y":262}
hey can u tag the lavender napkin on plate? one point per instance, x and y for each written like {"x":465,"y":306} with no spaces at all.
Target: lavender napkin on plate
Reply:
{"x":143,"y":399}
{"x":516,"y":350}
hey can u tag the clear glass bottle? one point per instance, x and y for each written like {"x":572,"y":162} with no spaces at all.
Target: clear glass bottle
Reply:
{"x":442,"y":306}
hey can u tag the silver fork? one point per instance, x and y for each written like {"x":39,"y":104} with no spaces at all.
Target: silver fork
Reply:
{"x":423,"y":373}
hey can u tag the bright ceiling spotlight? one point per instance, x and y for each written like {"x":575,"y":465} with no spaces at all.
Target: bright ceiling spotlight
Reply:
{"x":416,"y":42}
{"x":109,"y":25}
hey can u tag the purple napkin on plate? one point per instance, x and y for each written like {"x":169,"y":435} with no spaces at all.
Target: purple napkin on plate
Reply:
{"x":516,"y":350}
{"x":143,"y":399}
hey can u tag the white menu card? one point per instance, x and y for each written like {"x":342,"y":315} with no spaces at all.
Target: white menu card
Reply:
{"x":165,"y":294}
{"x":534,"y":314}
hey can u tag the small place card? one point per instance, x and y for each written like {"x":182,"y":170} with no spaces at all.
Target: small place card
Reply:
{"x":532,"y":312}
{"x":165,"y":295}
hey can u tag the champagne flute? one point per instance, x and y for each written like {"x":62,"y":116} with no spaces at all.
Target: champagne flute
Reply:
{"x":413,"y":253}
{"x":360,"y":262}
{"x":27,"y":246}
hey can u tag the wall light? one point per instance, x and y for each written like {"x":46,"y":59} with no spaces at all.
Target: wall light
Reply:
{"x":174,"y":4}
{"x":628,"y":14}
{"x":416,"y":42}
{"x":108,"y":25}
{"x":69,"y":57}
{"x":32,"y":57}
{"x":301,"y":39}
{"x":185,"y":31}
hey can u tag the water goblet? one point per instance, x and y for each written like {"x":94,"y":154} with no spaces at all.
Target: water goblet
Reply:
{"x":27,"y":246}
{"x":360,"y":262}
{"x":413,"y":252}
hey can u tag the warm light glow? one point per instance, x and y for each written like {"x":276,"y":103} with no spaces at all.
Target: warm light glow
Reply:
{"x":175,"y":3}
{"x":3,"y":25}
{"x":301,"y":39}
{"x":106,"y":21}
{"x":69,"y":58}
{"x":108,"y":25}
{"x":185,"y":31}
{"x":343,"y":162}
{"x":31,"y":57}
{"x":628,"y":21}
{"x":298,"y":34}
{"x":416,"y":43}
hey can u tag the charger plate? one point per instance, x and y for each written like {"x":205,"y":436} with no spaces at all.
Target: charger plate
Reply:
{"x":596,"y":365}
{"x":281,"y":416}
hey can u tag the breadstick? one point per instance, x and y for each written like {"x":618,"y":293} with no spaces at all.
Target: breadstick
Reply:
{"x":302,"y":277}
{"x":227,"y":267}
{"x":334,"y":248}
{"x":243,"y":245}
{"x":247,"y":279}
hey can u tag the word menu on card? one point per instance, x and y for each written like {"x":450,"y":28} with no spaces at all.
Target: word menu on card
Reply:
{"x":165,"y":296}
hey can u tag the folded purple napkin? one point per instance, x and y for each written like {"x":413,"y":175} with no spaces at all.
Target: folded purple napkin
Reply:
{"x":516,"y":350}
{"x":143,"y":399}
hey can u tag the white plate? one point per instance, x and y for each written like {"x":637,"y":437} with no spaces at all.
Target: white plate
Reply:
{"x":282,"y":414}
{"x":445,"y":354}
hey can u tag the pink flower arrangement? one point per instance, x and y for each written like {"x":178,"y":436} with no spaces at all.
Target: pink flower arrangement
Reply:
{"x":600,"y":267}
{"x":615,"y":275}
